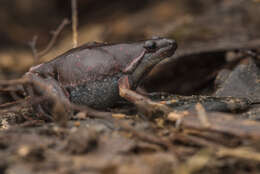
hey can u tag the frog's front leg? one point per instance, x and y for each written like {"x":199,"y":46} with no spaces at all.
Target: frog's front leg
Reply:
{"x":49,"y":90}
{"x":146,"y":105}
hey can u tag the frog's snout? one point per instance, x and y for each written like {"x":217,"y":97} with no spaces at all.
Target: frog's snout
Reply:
{"x":171,"y":42}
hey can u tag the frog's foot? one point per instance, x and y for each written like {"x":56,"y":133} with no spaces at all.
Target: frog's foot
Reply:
{"x":41,"y":114}
{"x":144,"y":104}
{"x":52,"y":95}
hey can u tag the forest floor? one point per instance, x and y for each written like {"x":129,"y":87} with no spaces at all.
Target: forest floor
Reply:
{"x":211,"y":86}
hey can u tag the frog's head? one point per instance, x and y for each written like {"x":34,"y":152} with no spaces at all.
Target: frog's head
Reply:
{"x":136,"y":59}
{"x":154,"y":51}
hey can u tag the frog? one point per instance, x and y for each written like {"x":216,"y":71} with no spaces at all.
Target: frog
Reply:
{"x":91,"y":74}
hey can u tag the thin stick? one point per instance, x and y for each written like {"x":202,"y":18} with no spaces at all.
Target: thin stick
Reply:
{"x":202,"y":115}
{"x":13,"y":82}
{"x":74,"y":22}
{"x":54,"y":38}
{"x":55,"y":34}
{"x":34,"y":50}
{"x":143,"y":103}
{"x":243,"y":153}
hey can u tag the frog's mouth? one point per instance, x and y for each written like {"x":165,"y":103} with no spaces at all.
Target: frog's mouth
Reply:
{"x":161,"y":54}
{"x":150,"y":60}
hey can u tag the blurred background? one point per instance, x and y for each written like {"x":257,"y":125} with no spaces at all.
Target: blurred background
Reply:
{"x":190,"y":22}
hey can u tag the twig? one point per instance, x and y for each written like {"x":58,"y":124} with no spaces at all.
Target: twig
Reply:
{"x":12,"y":105}
{"x":13,"y":82}
{"x":18,"y":104}
{"x":55,"y":34}
{"x":202,"y":115}
{"x":144,"y":136}
{"x":224,"y":124}
{"x":34,"y":50}
{"x":74,"y":22}
{"x":243,"y":153}
{"x":195,"y":162}
{"x":146,"y":105}
{"x":177,"y":117}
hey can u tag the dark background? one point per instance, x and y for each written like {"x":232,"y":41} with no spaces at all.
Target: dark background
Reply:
{"x":189,"y":22}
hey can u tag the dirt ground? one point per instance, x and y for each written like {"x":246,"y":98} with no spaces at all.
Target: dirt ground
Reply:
{"x":209,"y":87}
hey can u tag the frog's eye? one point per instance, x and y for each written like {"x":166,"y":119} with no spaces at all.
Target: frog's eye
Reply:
{"x":150,"y":45}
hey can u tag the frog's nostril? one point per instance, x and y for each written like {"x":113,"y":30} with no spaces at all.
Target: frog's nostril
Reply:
{"x":172,"y":43}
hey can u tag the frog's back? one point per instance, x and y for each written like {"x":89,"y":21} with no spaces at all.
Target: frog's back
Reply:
{"x":82,"y":65}
{"x":91,"y":62}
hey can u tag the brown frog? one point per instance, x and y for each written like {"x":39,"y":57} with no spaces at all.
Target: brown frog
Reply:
{"x":92,"y":73}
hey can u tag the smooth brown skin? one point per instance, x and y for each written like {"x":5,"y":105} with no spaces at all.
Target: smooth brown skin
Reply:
{"x":90,"y":74}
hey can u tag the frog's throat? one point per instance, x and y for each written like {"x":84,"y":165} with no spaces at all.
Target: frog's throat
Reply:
{"x":134,"y":63}
{"x":147,"y":65}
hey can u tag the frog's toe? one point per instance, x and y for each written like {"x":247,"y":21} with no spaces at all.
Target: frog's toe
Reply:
{"x":41,"y":114}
